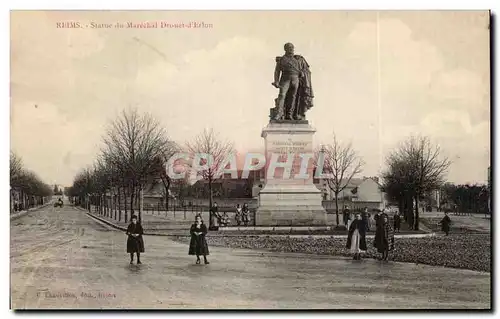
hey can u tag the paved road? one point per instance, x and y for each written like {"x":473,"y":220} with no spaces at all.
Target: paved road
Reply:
{"x":61,"y":258}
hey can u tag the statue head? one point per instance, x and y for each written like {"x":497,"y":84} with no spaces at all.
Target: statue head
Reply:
{"x":289,"y":48}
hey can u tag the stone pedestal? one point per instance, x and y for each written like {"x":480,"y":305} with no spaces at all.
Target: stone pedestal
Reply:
{"x":289,"y":197}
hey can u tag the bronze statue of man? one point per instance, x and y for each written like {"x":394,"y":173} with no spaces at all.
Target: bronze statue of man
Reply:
{"x":293,"y":78}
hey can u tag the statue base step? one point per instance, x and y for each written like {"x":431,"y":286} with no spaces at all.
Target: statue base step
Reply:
{"x":290,"y":205}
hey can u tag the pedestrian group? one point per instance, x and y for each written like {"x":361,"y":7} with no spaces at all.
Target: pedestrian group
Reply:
{"x":242,"y":215}
{"x":198,"y":244}
{"x":357,"y":225}
{"x":360,"y":225}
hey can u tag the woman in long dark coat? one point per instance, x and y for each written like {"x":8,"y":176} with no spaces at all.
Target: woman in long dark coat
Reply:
{"x":384,"y":237}
{"x":356,"y":239}
{"x":445,"y":223}
{"x":135,"y":243}
{"x":198,"y":245}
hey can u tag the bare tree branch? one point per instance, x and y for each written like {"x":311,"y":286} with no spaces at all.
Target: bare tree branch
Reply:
{"x":208,"y":142}
{"x":342,"y":163}
{"x":414,"y":169}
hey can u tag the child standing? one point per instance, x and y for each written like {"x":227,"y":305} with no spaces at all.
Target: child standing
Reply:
{"x":238,"y":215}
{"x":246,"y":214}
{"x":198,"y":245}
{"x":135,"y":243}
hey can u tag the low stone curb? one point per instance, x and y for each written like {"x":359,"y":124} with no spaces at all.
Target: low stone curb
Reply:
{"x":307,"y":236}
{"x":282,"y":228}
{"x":275,"y":228}
{"x":254,"y":236}
{"x":25,"y":212}
{"x":104,"y":221}
{"x":120,"y":227}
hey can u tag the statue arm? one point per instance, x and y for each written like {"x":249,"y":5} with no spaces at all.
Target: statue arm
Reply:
{"x":304,"y":66}
{"x":277,"y":72}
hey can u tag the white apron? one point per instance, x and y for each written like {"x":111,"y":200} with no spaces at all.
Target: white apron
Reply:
{"x":355,"y":242}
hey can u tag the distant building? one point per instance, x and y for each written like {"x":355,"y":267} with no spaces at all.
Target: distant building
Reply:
{"x":225,"y":186}
{"x":359,"y":192}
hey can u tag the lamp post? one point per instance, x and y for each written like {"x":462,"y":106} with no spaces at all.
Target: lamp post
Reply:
{"x":141,"y":202}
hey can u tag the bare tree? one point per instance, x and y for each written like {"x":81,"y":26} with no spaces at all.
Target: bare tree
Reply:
{"x":340,"y":163}
{"x":397,"y":186}
{"x":82,"y":188}
{"x":414,"y":169}
{"x":102,"y":183}
{"x":209,"y":142}
{"x":114,"y":182}
{"x":119,"y":180}
{"x":133,"y":143}
{"x":26,"y":187}
{"x":32,"y":190}
{"x":159,"y":173}
{"x":88,"y":179}
{"x":16,"y":170}
{"x":16,"y":167}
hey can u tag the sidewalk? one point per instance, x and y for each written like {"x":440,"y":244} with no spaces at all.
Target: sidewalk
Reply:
{"x":176,"y":232}
{"x":24,"y":212}
{"x":163,"y":216}
{"x":149,"y":221}
{"x":154,"y":228}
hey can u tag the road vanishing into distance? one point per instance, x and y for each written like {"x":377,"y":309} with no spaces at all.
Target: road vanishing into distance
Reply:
{"x":63,"y":259}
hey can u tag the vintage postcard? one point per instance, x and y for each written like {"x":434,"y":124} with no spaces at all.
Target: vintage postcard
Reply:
{"x":250,"y":160}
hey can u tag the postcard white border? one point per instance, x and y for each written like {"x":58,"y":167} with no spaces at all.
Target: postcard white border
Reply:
{"x":191,"y":5}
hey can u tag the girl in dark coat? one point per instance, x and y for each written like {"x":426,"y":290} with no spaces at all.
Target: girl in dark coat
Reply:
{"x":135,"y":243}
{"x":346,"y":214}
{"x":198,"y":245}
{"x":366,"y":219}
{"x":239,"y":215}
{"x":384,"y":237}
{"x":213,"y":218}
{"x":356,"y":240}
{"x":246,"y":214}
{"x":376,"y":218}
{"x":397,"y":222}
{"x":445,"y":223}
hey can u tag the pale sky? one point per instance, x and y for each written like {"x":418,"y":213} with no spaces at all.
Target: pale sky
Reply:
{"x":431,"y":77}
